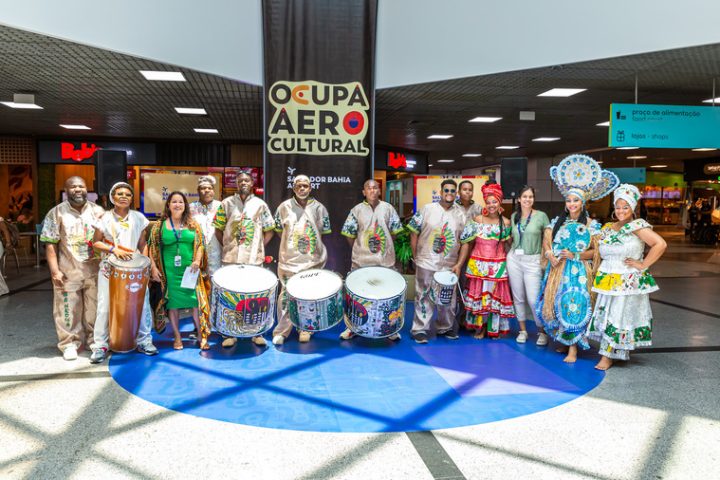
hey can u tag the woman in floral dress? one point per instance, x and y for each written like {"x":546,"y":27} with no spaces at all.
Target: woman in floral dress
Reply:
{"x":487,"y":295}
{"x":570,"y":245}
{"x":622,"y":319}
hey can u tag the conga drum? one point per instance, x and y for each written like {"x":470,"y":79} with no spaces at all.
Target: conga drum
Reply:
{"x":315,"y":300}
{"x":128,"y":284}
{"x":443,"y":287}
{"x":243,"y":300}
{"x":375,"y":302}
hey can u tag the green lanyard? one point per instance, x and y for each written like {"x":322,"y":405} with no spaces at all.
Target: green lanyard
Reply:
{"x":177,"y":237}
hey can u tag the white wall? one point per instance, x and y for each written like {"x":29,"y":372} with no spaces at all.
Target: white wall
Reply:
{"x":418,"y":40}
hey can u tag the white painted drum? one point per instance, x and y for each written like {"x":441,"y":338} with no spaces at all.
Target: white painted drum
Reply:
{"x":375,"y":302}
{"x":315,"y":301}
{"x":443,"y":287}
{"x":243,"y":300}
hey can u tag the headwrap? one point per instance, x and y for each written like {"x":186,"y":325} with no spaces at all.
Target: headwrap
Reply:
{"x":492,"y":190}
{"x":301,"y":177}
{"x":209,"y":179}
{"x":582,"y":176}
{"x":629,"y":193}
{"x":120,"y":185}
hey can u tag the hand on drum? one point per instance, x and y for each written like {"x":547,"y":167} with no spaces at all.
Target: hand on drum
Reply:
{"x":122,"y":254}
{"x":456,"y":270}
{"x":195,"y":266}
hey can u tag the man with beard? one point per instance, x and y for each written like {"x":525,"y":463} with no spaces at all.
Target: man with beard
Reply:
{"x":203,"y":212}
{"x":301,"y":221}
{"x":68,"y":232}
{"x":370,"y":228}
{"x":435,"y":241}
{"x":244,"y":226}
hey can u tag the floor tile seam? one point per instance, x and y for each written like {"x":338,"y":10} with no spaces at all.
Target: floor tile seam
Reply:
{"x":54,"y":376}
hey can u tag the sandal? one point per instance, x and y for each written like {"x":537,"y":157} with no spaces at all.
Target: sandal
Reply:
{"x":177,"y":344}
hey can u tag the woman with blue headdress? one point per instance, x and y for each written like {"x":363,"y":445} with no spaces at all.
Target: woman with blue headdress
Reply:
{"x":570,"y":241}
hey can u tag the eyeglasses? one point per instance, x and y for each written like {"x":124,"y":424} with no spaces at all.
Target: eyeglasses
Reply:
{"x":449,"y":190}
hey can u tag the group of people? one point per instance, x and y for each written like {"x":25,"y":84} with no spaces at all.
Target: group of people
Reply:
{"x":499,"y":260}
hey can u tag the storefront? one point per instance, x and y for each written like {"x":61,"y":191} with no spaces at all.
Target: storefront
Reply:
{"x":154,"y":169}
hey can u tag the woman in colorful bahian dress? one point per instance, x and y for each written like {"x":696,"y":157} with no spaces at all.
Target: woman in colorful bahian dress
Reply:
{"x":570,"y":245}
{"x":487,"y":296}
{"x":622,"y":319}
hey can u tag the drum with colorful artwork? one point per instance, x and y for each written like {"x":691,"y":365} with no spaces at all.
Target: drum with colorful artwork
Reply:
{"x":315,"y":300}
{"x":375,"y":302}
{"x":443,"y":287}
{"x":242,"y":303}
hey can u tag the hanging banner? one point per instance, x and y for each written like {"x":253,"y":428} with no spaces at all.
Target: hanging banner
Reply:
{"x":319,"y":105}
{"x":663,"y":126}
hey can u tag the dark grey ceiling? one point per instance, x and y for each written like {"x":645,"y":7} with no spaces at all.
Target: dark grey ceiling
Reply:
{"x":104,"y":90}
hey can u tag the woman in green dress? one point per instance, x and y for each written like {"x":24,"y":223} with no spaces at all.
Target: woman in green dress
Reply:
{"x":176,"y":244}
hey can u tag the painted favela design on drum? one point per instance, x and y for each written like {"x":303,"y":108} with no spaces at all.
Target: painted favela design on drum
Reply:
{"x":374,"y":318}
{"x":242,"y":315}
{"x":316,"y":315}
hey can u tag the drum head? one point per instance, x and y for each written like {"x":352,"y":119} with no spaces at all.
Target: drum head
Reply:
{"x":314,"y":284}
{"x":244,"y":278}
{"x":375,"y":283}
{"x":137,"y":261}
{"x":445,"y":278}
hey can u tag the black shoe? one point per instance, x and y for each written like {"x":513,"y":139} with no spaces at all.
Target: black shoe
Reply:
{"x":420,"y":338}
{"x":450,"y":335}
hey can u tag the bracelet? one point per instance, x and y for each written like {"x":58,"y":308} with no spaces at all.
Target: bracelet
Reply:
{"x":111,"y":249}
{"x":577,"y":257}
{"x":547,"y":254}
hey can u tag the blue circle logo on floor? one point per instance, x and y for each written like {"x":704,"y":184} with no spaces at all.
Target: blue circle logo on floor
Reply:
{"x":360,"y":385}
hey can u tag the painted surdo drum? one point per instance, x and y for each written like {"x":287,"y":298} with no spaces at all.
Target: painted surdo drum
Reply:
{"x":315,"y":300}
{"x":375,"y":302}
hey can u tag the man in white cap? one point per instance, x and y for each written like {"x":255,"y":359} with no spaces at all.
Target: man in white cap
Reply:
{"x":301,"y":221}
{"x":244,"y":226}
{"x":119,"y":232}
{"x":203,"y":212}
{"x":68,"y":232}
{"x":370,"y":228}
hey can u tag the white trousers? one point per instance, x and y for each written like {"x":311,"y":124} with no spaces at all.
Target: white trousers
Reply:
{"x":103,"y":313}
{"x":525,"y":276}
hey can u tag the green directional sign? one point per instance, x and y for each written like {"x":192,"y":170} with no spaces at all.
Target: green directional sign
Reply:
{"x":663,"y":126}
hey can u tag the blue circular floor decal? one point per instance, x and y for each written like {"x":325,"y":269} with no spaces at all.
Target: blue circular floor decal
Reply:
{"x":359,"y":385}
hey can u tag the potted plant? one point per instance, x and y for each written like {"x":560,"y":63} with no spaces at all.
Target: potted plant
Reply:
{"x":404,"y":260}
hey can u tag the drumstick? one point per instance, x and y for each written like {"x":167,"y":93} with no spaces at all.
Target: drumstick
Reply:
{"x":461,"y":294}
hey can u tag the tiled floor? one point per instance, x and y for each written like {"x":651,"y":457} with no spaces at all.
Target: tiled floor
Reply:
{"x":656,"y":417}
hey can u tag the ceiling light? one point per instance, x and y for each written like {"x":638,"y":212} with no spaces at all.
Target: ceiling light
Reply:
{"x":190,"y":111}
{"x":446,"y":160}
{"x":562,"y":92}
{"x":710,"y":100}
{"x":600,"y":162}
{"x":22,"y":105}
{"x":439,"y":137}
{"x":703,"y":149}
{"x":507,"y":147}
{"x":627,"y":148}
{"x":205,"y":130}
{"x":658,"y":166}
{"x":430,"y":164}
{"x":75,"y":127}
{"x":484,"y":119}
{"x":154,"y":75}
{"x":472,"y":155}
{"x":603,"y":124}
{"x":546,"y":139}
{"x":636,"y":157}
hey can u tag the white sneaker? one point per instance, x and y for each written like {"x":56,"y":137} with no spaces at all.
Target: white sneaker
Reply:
{"x":70,"y":352}
{"x":522,"y":337}
{"x":542,"y":339}
{"x":278,"y":340}
{"x":347,"y":334}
